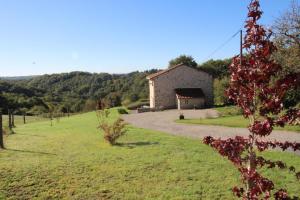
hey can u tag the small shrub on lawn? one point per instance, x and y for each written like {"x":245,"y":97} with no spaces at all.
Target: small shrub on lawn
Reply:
{"x":122,"y":111}
{"x":112,"y":130}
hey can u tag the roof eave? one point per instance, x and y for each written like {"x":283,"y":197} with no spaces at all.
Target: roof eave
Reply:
{"x":151,"y":76}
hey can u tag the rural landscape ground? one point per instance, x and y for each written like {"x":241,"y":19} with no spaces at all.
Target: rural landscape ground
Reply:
{"x":150,"y":100}
{"x":70,"y":160}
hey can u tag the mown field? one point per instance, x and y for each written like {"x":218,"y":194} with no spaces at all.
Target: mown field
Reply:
{"x":70,"y":160}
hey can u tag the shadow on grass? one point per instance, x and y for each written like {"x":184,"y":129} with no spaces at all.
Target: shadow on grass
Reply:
{"x":27,"y":151}
{"x":136,"y":144}
{"x":31,"y":135}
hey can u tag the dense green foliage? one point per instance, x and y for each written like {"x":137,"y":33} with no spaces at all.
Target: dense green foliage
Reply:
{"x":17,"y":96}
{"x":219,"y":70}
{"x":72,"y":92}
{"x":71,"y":160}
{"x":220,"y":85}
{"x":183,"y":59}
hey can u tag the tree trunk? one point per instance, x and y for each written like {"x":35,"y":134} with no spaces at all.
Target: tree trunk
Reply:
{"x":24,"y":118}
{"x":251,"y":168}
{"x":9,"y":120}
{"x":252,"y":158}
{"x":13,"y":120}
{"x":1,"y":132}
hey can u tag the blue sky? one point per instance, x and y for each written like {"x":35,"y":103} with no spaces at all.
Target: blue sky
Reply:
{"x":117,"y":36}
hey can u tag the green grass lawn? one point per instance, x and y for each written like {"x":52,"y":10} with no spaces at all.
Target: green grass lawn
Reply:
{"x":19,"y":119}
{"x":231,"y":121}
{"x":71,"y":161}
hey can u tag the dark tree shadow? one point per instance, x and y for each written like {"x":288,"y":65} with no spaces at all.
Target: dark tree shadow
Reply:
{"x":136,"y":144}
{"x":27,"y":151}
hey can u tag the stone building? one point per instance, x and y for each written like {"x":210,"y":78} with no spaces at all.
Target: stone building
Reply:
{"x":180,"y":87}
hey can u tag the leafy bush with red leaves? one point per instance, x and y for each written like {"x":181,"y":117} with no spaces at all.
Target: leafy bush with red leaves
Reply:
{"x":255,"y":88}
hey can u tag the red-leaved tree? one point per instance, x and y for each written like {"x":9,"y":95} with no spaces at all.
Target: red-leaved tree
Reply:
{"x":255,"y":86}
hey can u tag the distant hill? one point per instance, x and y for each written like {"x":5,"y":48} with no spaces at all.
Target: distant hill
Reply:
{"x":17,"y":77}
{"x":74,"y":91}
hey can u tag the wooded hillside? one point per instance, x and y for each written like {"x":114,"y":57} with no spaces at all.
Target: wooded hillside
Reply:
{"x":74,"y":92}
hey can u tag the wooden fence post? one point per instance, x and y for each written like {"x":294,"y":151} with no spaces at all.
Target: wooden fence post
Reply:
{"x":9,"y":120}
{"x":24,"y":118}
{"x":13,"y":120}
{"x":1,"y":132}
{"x":51,"y":118}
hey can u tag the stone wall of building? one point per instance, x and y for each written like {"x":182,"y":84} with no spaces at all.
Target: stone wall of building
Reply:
{"x":164,"y":85}
{"x":151,"y":94}
{"x":190,"y":103}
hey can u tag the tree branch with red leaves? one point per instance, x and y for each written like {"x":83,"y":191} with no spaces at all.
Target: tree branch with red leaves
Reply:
{"x":255,"y":88}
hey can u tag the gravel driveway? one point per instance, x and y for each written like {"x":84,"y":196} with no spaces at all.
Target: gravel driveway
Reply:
{"x":164,"y":121}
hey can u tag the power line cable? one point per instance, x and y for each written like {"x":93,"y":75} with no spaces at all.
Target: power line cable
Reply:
{"x":222,"y":45}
